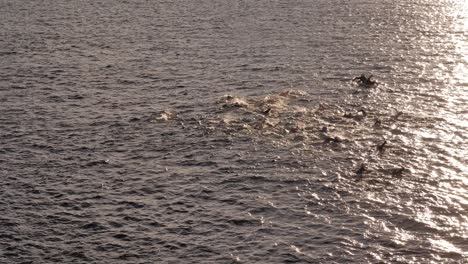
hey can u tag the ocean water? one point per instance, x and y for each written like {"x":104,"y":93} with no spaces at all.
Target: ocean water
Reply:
{"x":150,"y":131}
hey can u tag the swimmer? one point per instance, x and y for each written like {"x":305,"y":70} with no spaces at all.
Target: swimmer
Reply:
{"x":397,"y":115}
{"x":267,"y":112}
{"x":381,"y":147}
{"x":361,"y":169}
{"x":334,"y":139}
{"x":362,"y":78}
{"x":398,"y":172}
{"x":364,"y":113}
{"x":360,"y":172}
{"x":377,"y":123}
{"x":365,"y":80}
{"x":360,"y":115}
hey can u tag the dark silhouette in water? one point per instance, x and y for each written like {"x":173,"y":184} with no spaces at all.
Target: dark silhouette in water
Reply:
{"x":397,"y":172}
{"x":267,"y":112}
{"x":360,"y":115}
{"x":397,"y":115}
{"x":360,"y":172}
{"x":334,"y":139}
{"x":378,"y":123}
{"x":381,"y":147}
{"x":363,"y":80}
{"x":361,"y":169}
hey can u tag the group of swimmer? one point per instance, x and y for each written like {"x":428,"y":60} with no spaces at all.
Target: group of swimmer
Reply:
{"x":266,"y":109}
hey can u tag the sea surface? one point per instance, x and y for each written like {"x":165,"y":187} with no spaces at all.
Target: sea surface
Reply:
{"x":230,"y":131}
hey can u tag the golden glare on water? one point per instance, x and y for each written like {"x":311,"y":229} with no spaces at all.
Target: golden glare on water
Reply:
{"x":445,"y":245}
{"x":461,"y":26}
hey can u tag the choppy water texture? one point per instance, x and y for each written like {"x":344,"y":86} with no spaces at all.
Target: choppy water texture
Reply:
{"x":231,"y":132}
